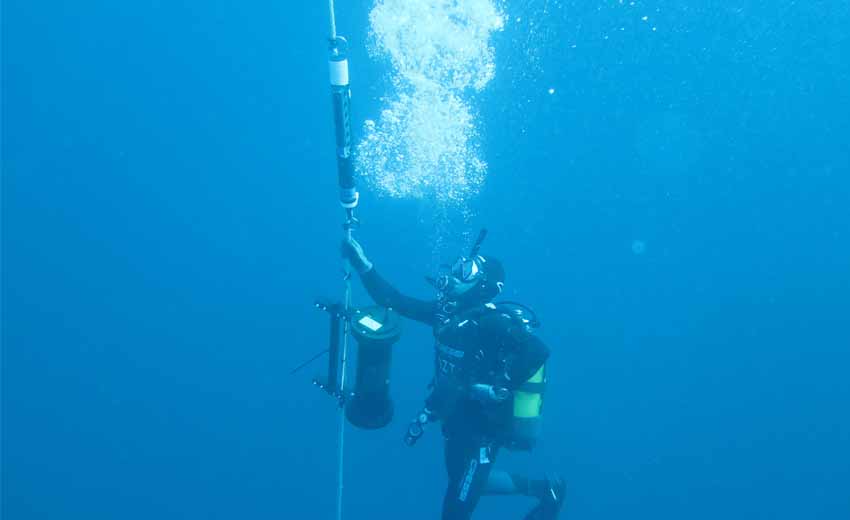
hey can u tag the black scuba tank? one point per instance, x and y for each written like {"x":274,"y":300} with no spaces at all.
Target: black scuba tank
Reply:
{"x":526,"y":408}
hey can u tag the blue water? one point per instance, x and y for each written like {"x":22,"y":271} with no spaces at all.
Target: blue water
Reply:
{"x":169,"y":215}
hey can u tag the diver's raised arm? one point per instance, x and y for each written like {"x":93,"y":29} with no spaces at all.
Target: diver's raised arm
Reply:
{"x":382,"y":291}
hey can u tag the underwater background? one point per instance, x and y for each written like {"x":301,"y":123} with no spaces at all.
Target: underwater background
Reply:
{"x":670,"y":194}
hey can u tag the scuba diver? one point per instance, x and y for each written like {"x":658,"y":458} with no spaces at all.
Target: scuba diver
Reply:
{"x":487,"y":390}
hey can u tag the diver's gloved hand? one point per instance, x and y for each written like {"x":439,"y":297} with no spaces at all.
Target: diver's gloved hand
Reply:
{"x":489,"y":393}
{"x":353,"y":252}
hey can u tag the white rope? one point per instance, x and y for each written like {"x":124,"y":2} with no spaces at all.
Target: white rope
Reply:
{"x":346,"y":330}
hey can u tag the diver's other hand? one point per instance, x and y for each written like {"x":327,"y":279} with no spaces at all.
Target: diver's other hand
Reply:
{"x":489,"y":393}
{"x":353,"y":252}
{"x":416,"y":428}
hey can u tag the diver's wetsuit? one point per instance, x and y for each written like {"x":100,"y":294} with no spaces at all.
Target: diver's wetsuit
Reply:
{"x":477,"y":345}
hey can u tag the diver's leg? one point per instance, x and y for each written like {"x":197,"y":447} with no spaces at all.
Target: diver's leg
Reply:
{"x":469,"y":462}
{"x":551,"y":494}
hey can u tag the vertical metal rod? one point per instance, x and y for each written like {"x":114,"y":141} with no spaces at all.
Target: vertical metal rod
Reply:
{"x":333,"y":19}
{"x":348,"y":198}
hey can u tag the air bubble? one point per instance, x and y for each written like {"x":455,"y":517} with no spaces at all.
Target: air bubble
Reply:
{"x":425,"y":143}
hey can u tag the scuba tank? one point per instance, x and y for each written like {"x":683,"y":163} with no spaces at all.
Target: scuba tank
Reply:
{"x":527,"y":412}
{"x":527,"y":406}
